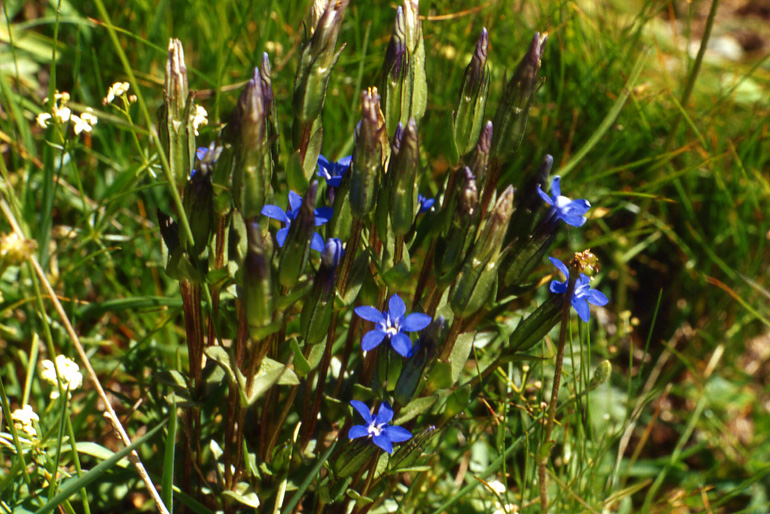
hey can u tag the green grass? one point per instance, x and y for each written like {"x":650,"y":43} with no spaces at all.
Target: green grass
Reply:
{"x":680,"y":194}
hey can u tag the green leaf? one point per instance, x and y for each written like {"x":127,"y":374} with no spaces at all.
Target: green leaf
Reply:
{"x":100,"y":452}
{"x":415,"y":408}
{"x":167,"y":480}
{"x":460,"y":352}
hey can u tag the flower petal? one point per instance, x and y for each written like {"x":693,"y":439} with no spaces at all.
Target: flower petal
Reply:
{"x":396,"y":307}
{"x":385,"y":414}
{"x":362,"y":409}
{"x":274,"y":212}
{"x":345,"y":161}
{"x":560,"y":266}
{"x":317,"y":242}
{"x":397,"y":434}
{"x":383,"y":442}
{"x":573,"y":220}
{"x":401,"y":344}
{"x":323,"y":161}
{"x":597,"y":298}
{"x":372,"y":339}
{"x":558,"y":287}
{"x":357,"y":431}
{"x":547,"y":199}
{"x":556,"y":186}
{"x":415,"y":321}
{"x":323,"y":215}
{"x":579,"y":207}
{"x":334,"y":181}
{"x":581,"y":307}
{"x":295,"y":202}
{"x":370,"y":314}
{"x":280,"y":236}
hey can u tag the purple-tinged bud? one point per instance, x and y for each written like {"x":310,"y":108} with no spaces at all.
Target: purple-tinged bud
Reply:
{"x":332,"y":253}
{"x":395,"y":145}
{"x":369,"y":156}
{"x":478,"y":160}
{"x":471,"y":104}
{"x":420,"y":361}
{"x":512,"y":114}
{"x":402,"y":176}
{"x":175,"y":86}
{"x":460,"y":228}
{"x":271,"y":115}
{"x":412,"y":24}
{"x":396,"y":52}
{"x":253,"y":158}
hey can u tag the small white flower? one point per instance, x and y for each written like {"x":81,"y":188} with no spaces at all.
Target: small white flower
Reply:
{"x":42,"y":119}
{"x":199,"y":118}
{"x":63,"y":114}
{"x":23,"y":420}
{"x":116,"y":90}
{"x":84,"y":122}
{"x":497,"y":486}
{"x":70,"y":375}
{"x":89,"y":118}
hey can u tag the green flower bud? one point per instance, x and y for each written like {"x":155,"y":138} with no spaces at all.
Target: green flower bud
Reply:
{"x":316,"y":62}
{"x":199,"y":209}
{"x":273,"y":132}
{"x":355,"y":455}
{"x":369,"y":156}
{"x":175,"y":123}
{"x":408,"y":453}
{"x":253,"y":159}
{"x":295,"y":252}
{"x":402,"y":175}
{"x":536,"y":326}
{"x":317,"y":309}
{"x":477,"y":281}
{"x":511,"y":116}
{"x":478,"y":160}
{"x":462,"y":220}
{"x":469,"y":116}
{"x":421,"y":359}
{"x":601,"y":374}
{"x":257,"y":288}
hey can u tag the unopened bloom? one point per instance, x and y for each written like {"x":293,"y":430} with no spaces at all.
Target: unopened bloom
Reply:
{"x":116,"y":90}
{"x":333,"y":171}
{"x":69,"y":373}
{"x":322,"y":216}
{"x":572,"y":212}
{"x":583,"y":294}
{"x":392,"y":324}
{"x":23,"y":420}
{"x":377,"y":428}
{"x":199,"y":118}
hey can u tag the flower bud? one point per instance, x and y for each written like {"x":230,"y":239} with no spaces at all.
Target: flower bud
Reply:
{"x":353,"y":457}
{"x":316,"y":62}
{"x":601,"y":374}
{"x":478,"y":160}
{"x":369,"y":156}
{"x":478,"y":278}
{"x":317,"y":309}
{"x":296,"y":249}
{"x":199,"y":209}
{"x":405,"y":86}
{"x":461,"y":220}
{"x":271,"y":115}
{"x":528,"y":203}
{"x":402,"y":175}
{"x":253,"y":159}
{"x":511,"y":116}
{"x":536,"y":326}
{"x":420,"y":360}
{"x":257,"y":287}
{"x":175,"y":124}
{"x":407,"y":454}
{"x":468,"y":119}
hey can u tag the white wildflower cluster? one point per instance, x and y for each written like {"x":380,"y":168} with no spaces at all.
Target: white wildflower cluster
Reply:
{"x":83,"y":123}
{"x":501,"y":508}
{"x":199,"y":118}
{"x":24,"y":418}
{"x":69,"y":372}
{"x":116,"y":90}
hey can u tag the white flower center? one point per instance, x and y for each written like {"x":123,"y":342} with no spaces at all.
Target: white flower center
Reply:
{"x":373,"y":429}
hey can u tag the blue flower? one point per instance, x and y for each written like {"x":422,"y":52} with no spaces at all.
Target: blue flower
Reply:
{"x":425,"y":203}
{"x":583,"y":293}
{"x":333,"y":171}
{"x":322,"y":215}
{"x":376,"y":427}
{"x":392,"y":324}
{"x":570,"y":211}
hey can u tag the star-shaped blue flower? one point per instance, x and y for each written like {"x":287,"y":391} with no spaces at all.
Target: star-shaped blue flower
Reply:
{"x":425,"y":203}
{"x":322,"y":216}
{"x":572,"y":212}
{"x":392,"y":324}
{"x":333,"y":171}
{"x":583,"y":293}
{"x":376,"y":427}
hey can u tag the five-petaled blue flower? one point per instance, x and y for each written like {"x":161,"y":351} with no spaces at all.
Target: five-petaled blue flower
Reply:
{"x":376,"y":427}
{"x":333,"y":171}
{"x":392,"y":324}
{"x":425,"y":203}
{"x":583,"y":293}
{"x":322,"y":215}
{"x":571,"y":211}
